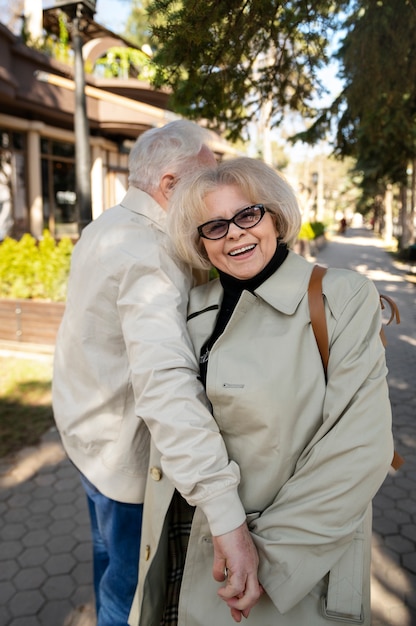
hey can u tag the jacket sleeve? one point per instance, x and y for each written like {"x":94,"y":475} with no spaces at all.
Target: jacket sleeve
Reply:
{"x":314,"y":516}
{"x":152,"y":303}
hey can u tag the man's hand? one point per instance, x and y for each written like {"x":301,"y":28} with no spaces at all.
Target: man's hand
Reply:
{"x":236,"y":561}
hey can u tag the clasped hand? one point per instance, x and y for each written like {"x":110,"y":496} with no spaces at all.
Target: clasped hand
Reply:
{"x":236,"y":561}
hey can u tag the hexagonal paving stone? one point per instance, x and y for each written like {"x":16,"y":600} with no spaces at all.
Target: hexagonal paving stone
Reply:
{"x":407,"y":504}
{"x":400,"y":517}
{"x":409,"y":561}
{"x":385,"y":526}
{"x":64,"y":497}
{"x":11,"y":549}
{"x":31,"y":557}
{"x":83,"y":552}
{"x":35,"y":538}
{"x":58,"y":612}
{"x":30,"y":578}
{"x":8,"y":569}
{"x":44,"y":480}
{"x":4,"y":615}
{"x":16,"y":516}
{"x":62,"y":527}
{"x":409,"y":531}
{"x":82,"y":574}
{"x":41,"y":505}
{"x":19,"y":500}
{"x":400,"y":544}
{"x":59,"y":587}
{"x":62,"y":544}
{"x":26,"y":603}
{"x":13,"y":531}
{"x":394,"y":491}
{"x":63,"y":511}
{"x":7,"y":590}
{"x":59,"y":564}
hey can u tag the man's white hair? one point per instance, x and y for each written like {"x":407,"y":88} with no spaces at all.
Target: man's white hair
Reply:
{"x":168,"y":149}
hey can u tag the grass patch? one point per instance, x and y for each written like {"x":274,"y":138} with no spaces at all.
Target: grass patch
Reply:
{"x":25,"y":402}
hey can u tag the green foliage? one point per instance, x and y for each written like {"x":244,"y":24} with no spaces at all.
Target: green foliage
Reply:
{"x":311,"y":230}
{"x":122,"y":62}
{"x":306,"y":232}
{"x":379,"y":68}
{"x":137,"y":27}
{"x":375,"y":115}
{"x":318,"y":229}
{"x":223,"y":60}
{"x":57,"y":47}
{"x":35,"y":270}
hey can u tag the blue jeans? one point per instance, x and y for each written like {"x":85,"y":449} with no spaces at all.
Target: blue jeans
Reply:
{"x":116,"y":531}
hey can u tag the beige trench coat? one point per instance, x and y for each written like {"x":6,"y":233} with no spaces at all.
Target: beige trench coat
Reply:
{"x":312,"y":456}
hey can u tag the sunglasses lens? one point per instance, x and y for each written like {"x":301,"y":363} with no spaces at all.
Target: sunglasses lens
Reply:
{"x":249,"y":217}
{"x":215,"y":230}
{"x":246,"y":218}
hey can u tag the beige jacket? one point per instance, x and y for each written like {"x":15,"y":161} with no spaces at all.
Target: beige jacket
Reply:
{"x":312,"y":456}
{"x":124,"y":366}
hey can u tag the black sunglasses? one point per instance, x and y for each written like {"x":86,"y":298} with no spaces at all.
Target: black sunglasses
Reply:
{"x":246,"y":218}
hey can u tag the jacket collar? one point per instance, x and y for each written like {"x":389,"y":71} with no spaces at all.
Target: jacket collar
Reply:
{"x":283,"y":290}
{"x":142,"y":203}
{"x":287,"y":286}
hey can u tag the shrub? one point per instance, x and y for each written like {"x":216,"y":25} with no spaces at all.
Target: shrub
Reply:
{"x":306,"y":232}
{"x":31,"y":269}
{"x":311,"y":230}
{"x":318,"y":229}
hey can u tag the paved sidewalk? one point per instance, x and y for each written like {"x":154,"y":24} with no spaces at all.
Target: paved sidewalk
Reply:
{"x":45,"y":551}
{"x":394,"y":511}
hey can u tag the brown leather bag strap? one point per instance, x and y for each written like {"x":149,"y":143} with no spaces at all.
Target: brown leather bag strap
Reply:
{"x":320,"y":330}
{"x":317,"y":313}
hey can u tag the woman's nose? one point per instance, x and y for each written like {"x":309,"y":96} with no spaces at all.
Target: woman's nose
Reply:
{"x":234,"y":232}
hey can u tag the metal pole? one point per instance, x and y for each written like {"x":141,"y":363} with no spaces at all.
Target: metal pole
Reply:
{"x":82,"y":132}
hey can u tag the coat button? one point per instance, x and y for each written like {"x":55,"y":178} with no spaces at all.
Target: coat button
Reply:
{"x":147,"y":553}
{"x":156,"y":473}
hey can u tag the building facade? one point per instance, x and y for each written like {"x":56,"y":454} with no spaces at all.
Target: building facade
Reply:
{"x":37,"y":141}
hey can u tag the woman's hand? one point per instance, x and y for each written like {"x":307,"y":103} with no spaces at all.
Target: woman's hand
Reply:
{"x":236,"y":561}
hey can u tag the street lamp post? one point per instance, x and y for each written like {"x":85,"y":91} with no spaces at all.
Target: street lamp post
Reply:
{"x":79,"y":13}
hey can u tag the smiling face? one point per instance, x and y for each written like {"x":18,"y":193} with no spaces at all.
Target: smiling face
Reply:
{"x":242,"y":253}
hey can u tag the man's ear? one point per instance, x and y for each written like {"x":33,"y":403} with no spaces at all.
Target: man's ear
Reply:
{"x":167,"y":185}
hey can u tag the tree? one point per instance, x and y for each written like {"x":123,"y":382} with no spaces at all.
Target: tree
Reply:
{"x":225,"y":60}
{"x":379,"y":100}
{"x":137,"y":28}
{"x":375,"y":115}
{"x":377,"y":124}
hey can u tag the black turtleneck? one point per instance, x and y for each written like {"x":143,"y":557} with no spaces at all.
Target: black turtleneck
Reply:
{"x":233,"y":288}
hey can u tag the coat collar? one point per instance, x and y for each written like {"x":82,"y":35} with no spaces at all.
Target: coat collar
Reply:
{"x":287,"y":286}
{"x":283,"y":290}
{"x":142,"y":203}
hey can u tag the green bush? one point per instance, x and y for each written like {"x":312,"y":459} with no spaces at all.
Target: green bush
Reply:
{"x":311,"y":230}
{"x":36,"y":270}
{"x":306,"y":232}
{"x":318,"y":229}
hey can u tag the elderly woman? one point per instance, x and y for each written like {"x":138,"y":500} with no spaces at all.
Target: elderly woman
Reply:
{"x":313,"y":451}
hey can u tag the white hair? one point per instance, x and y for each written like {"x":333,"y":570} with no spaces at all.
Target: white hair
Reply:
{"x":170,"y":149}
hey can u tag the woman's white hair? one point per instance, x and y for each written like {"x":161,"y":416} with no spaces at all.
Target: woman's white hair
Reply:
{"x":260,"y":184}
{"x":168,"y":149}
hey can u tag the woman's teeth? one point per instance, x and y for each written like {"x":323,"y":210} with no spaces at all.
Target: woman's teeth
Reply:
{"x":242,"y":250}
